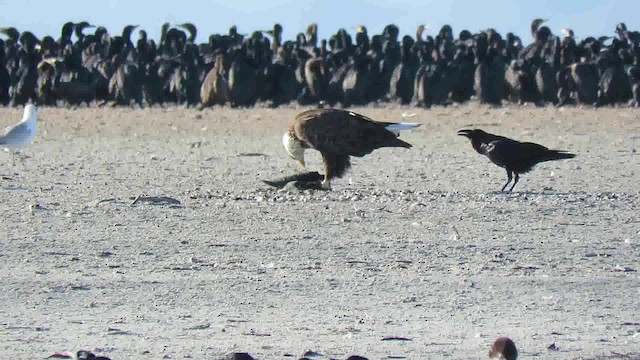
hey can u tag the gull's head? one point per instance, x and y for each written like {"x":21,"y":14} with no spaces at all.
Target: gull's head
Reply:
{"x":294,"y":148}
{"x":30,"y":113}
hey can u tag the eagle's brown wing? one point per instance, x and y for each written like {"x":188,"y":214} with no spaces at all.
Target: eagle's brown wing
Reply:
{"x":343,"y":132}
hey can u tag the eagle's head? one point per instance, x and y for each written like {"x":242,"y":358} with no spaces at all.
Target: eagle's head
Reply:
{"x":294,"y":147}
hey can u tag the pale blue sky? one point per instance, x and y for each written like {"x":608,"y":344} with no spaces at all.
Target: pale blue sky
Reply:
{"x":585,"y":17}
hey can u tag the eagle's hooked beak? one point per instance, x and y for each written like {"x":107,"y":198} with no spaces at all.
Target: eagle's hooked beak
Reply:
{"x":302,"y":163}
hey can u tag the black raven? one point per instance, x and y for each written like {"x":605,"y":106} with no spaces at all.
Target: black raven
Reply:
{"x":514,"y":156}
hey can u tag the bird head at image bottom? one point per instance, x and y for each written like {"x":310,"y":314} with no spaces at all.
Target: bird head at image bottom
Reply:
{"x":80,"y":355}
{"x":503,"y":348}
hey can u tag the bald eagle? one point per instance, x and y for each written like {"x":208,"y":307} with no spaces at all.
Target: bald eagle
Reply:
{"x":337,"y":135}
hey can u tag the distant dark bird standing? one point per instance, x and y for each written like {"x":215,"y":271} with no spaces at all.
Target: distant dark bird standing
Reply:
{"x":338,"y":135}
{"x":514,"y":156}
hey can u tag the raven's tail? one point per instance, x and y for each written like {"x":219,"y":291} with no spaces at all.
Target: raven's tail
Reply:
{"x":557,"y":155}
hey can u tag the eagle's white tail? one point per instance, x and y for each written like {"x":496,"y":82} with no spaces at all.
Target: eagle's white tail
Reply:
{"x":401,"y":126}
{"x":396,"y":128}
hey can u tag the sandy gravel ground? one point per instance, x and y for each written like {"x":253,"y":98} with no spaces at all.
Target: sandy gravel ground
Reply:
{"x":412,"y":243}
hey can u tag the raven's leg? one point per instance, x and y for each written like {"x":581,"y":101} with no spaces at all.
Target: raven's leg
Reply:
{"x":509,"y":177}
{"x":515,"y":181}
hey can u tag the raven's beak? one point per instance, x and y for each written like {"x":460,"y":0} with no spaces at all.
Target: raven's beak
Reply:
{"x":464,"y":132}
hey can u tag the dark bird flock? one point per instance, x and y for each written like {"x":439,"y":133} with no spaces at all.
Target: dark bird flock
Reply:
{"x":87,"y":64}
